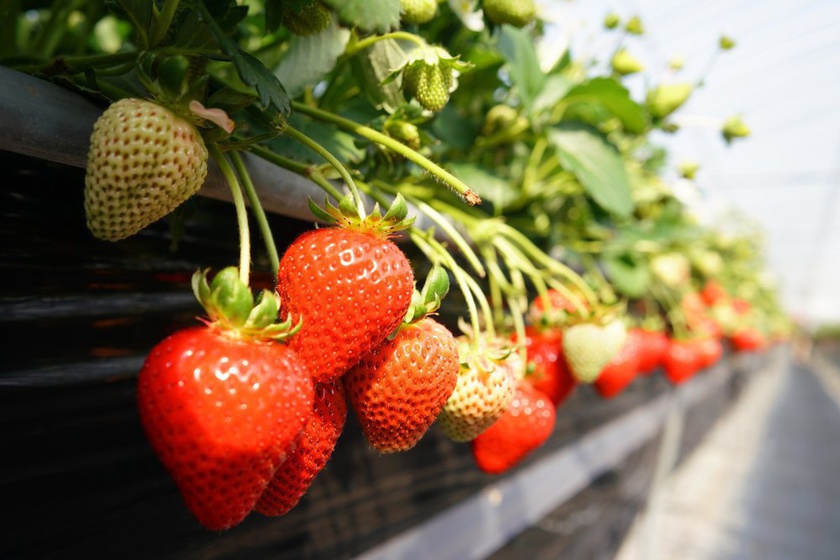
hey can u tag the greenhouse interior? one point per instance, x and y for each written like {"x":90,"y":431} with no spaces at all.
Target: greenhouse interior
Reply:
{"x":420,"y":279}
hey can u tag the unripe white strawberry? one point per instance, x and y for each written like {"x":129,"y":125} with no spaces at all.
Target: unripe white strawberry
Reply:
{"x":589,"y":347}
{"x":486,"y":384}
{"x":143,"y":162}
{"x":518,"y":13}
{"x":418,"y":11}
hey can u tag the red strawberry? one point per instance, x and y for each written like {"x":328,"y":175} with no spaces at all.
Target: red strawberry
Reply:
{"x":550,"y":375}
{"x":622,"y":368}
{"x":551,"y":308}
{"x":713,"y":292}
{"x":747,"y":339}
{"x":525,"y":425}
{"x":350,"y":285}
{"x":681,"y":360}
{"x":709,"y":350}
{"x":222,"y":404}
{"x":311,"y":453}
{"x":399,"y":388}
{"x":654,"y":347}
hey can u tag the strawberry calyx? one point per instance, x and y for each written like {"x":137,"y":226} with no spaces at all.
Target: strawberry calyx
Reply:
{"x":346,"y":215}
{"x":427,"y":301}
{"x":231,"y":307}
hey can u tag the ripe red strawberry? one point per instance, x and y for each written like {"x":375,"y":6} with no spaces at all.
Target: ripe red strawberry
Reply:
{"x":350,"y":285}
{"x":398,"y":388}
{"x":747,"y":339}
{"x":654,"y":346}
{"x":550,"y":375}
{"x":222,"y":404}
{"x":486,"y":384}
{"x":622,"y":368}
{"x":713,"y":292}
{"x":550,"y":309}
{"x":311,"y":452}
{"x":144,"y":161}
{"x":709,"y":350}
{"x":526,"y":424}
{"x":682,"y":360}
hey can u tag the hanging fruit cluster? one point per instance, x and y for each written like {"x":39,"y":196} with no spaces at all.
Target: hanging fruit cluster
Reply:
{"x":575,"y":261}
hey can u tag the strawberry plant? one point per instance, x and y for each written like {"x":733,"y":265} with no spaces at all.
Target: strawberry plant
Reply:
{"x":533,"y":182}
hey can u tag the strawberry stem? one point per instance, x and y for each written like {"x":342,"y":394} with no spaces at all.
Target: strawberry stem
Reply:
{"x":332,"y":160}
{"x":257,"y":209}
{"x":358,"y":46}
{"x":241,"y":212}
{"x":467,"y":194}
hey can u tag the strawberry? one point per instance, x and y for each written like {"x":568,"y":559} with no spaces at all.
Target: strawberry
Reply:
{"x":312,"y":450}
{"x":624,"y":63}
{"x":429,"y":84}
{"x":525,"y":425}
{"x":709,"y":350}
{"x":682,"y":360}
{"x":486,"y":384}
{"x":550,"y":373}
{"x":222,"y":404}
{"x":664,"y":99}
{"x":747,"y":339}
{"x":305,"y":18}
{"x":550,"y":309}
{"x":405,"y":132}
{"x":349,"y":284}
{"x":622,"y":368}
{"x":589,"y":347}
{"x":653,"y":348}
{"x":143,"y":162}
{"x":518,"y":13}
{"x":400,"y":387}
{"x":712,"y":293}
{"x":418,"y":11}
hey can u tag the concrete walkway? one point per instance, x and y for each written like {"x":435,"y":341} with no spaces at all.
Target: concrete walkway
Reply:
{"x":764,"y":484}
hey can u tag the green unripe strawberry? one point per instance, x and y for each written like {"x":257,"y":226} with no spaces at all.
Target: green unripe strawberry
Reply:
{"x":306,"y":19}
{"x":725,"y":43}
{"x":418,"y":11}
{"x":735,"y":127}
{"x":667,"y":98}
{"x":611,"y":21}
{"x":625,"y":63}
{"x":428,"y":84}
{"x":688,"y":169}
{"x":589,"y":347}
{"x":634,"y":26}
{"x":144,"y":161}
{"x":518,"y":13}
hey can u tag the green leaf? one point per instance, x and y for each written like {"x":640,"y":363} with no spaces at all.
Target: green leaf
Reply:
{"x":373,"y":66}
{"x":628,"y":272}
{"x":613,"y":96}
{"x":251,"y":71}
{"x":489,"y":185}
{"x":368,"y":15}
{"x":596,"y":164}
{"x":523,"y":64}
{"x":556,"y":87}
{"x":311,"y":57}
